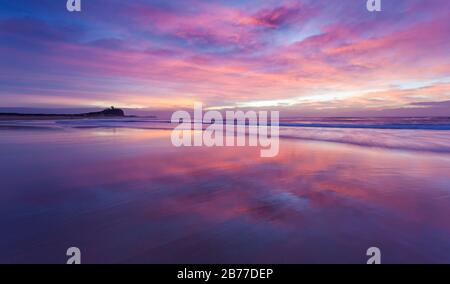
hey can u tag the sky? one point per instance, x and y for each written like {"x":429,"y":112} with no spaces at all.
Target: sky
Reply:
{"x":303,"y":57}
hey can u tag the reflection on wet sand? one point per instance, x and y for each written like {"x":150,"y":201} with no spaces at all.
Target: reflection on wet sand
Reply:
{"x":128,"y":196}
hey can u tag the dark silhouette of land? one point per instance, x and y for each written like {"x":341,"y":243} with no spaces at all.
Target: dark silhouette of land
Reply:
{"x":107,"y":113}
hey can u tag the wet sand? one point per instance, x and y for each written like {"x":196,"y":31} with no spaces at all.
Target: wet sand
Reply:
{"x":127,"y":195}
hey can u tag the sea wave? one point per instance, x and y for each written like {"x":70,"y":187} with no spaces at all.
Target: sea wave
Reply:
{"x":413,"y":134}
{"x":401,"y":139}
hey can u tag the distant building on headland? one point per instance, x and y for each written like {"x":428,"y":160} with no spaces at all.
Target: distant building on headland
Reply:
{"x":107,"y":112}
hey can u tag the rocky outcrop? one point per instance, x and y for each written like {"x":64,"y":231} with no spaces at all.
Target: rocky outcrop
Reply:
{"x":107,"y":112}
